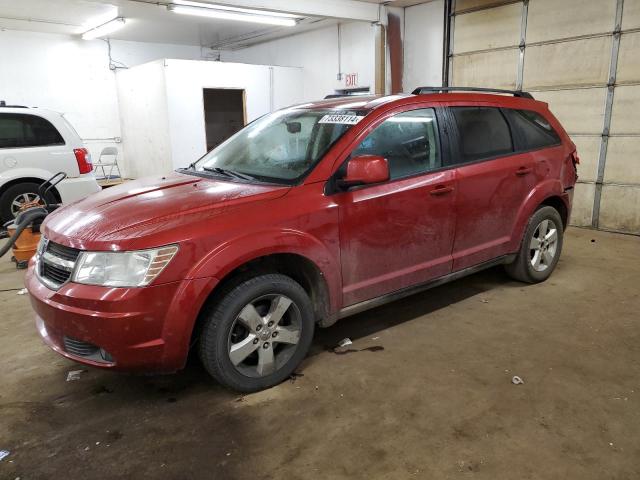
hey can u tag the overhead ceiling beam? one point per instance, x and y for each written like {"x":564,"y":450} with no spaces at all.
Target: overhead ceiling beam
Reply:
{"x":342,"y":9}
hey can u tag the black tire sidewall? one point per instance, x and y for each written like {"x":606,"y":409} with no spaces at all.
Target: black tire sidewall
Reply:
{"x":12,"y":192}
{"x":214,"y":338}
{"x":544,"y":213}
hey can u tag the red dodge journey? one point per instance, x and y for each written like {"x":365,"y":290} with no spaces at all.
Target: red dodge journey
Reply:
{"x":307,"y":215}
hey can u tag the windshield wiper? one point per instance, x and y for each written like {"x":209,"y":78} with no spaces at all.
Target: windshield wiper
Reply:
{"x":219,"y":170}
{"x":228,"y":173}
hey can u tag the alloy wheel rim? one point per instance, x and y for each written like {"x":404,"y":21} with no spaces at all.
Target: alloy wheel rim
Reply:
{"x":21,"y":199}
{"x":543,"y":245}
{"x":264,"y":335}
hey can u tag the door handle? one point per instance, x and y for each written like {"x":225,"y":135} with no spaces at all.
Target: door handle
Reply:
{"x":522,"y":171}
{"x":441,"y":190}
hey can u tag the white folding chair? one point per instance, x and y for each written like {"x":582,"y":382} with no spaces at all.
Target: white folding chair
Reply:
{"x":111,"y":162}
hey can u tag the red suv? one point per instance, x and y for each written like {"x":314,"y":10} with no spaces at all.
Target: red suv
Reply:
{"x":307,"y":215}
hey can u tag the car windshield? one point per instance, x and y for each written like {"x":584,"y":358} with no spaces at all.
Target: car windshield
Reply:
{"x":281,"y":147}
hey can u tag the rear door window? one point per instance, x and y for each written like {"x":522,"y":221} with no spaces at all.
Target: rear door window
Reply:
{"x":19,"y":130}
{"x":483,"y":133}
{"x":532,"y":130}
{"x":409,"y":142}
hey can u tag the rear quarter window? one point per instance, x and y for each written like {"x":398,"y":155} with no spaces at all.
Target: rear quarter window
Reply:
{"x":532,"y":130}
{"x":19,"y":130}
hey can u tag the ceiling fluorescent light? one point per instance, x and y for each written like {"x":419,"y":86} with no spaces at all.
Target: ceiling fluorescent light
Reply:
{"x":268,"y":13}
{"x":104,"y":29}
{"x":232,"y":13}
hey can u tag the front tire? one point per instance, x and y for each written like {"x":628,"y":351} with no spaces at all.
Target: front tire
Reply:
{"x":17,"y":195}
{"x":258,"y":333}
{"x":540,"y":249}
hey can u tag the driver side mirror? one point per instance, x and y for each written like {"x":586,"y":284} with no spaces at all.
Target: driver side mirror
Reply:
{"x":365,"y":170}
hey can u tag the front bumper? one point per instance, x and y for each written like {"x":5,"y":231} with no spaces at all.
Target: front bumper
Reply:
{"x":141,"y":329}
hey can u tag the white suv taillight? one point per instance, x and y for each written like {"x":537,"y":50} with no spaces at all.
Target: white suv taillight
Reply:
{"x":83,"y":157}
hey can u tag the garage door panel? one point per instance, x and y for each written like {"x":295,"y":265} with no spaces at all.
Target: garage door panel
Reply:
{"x":485,"y":29}
{"x":488,"y":69}
{"x":631,"y":14}
{"x":628,"y":56}
{"x":566,"y":64}
{"x":623,"y":160}
{"x":553,"y":19}
{"x":625,"y":112}
{"x":462,"y":5}
{"x":619,"y":208}
{"x":574,"y":63}
{"x":579,"y":111}
{"x":582,"y":204}
{"x":589,"y":152}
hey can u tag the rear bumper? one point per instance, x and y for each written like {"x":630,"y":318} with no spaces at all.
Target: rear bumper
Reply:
{"x":142,"y":329}
{"x":73,"y":189}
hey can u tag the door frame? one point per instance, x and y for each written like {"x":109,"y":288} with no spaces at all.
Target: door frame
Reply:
{"x":204,"y":116}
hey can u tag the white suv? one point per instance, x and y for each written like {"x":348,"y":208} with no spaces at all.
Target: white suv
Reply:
{"x":35,"y":144}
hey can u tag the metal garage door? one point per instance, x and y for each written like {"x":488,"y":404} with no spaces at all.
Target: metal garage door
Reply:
{"x":583,"y":58}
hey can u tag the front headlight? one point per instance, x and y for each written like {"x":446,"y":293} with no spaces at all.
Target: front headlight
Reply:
{"x":41,"y":243}
{"x":122,"y":269}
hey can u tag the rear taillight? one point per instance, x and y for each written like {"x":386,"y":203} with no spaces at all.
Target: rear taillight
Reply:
{"x":575,"y":161}
{"x":575,"y":158}
{"x":83,"y":157}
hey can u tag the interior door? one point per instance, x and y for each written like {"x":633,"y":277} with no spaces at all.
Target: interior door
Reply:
{"x":493,"y":182}
{"x":399,"y":233}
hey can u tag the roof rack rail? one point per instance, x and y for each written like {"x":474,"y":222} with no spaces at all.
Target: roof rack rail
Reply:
{"x":4,"y":104}
{"x":515,"y":93}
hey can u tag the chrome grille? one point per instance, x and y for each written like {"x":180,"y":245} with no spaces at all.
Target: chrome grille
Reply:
{"x":79,"y":348}
{"x":58,"y":275}
{"x":56,"y":264}
{"x":66,"y":253}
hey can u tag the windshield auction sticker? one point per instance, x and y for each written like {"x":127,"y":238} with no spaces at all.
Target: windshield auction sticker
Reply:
{"x":342,"y":119}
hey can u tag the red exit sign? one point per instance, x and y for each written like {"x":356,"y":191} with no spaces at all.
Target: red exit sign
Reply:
{"x":351,"y":80}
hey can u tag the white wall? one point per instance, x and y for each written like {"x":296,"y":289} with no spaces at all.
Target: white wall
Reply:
{"x":162,"y":107}
{"x":186,"y":80}
{"x":72,"y":76}
{"x":423,"y":38}
{"x":142,"y":99}
{"x":317,"y":53}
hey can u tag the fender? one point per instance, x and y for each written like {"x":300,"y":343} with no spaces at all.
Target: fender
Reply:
{"x":546,"y":189}
{"x":237,"y":251}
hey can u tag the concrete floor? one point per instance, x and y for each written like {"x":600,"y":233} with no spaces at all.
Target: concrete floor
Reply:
{"x":436,"y":402}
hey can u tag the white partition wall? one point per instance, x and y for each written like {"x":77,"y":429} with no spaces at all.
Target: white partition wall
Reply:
{"x":162,"y":110}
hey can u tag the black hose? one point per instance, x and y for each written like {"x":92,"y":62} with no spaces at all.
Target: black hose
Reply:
{"x":23,"y":221}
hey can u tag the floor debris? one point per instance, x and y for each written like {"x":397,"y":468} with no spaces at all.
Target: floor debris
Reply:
{"x":344,"y":351}
{"x":4,"y":454}
{"x":516,"y":380}
{"x":22,"y":292}
{"x":294,"y":376}
{"x":74,"y":375}
{"x":344,"y":342}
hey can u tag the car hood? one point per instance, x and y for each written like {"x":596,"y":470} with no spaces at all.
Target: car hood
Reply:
{"x":149,"y":206}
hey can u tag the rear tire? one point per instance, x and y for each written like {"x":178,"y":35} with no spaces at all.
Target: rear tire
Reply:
{"x":258,"y":333}
{"x":20,"y":193}
{"x":540,"y":249}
